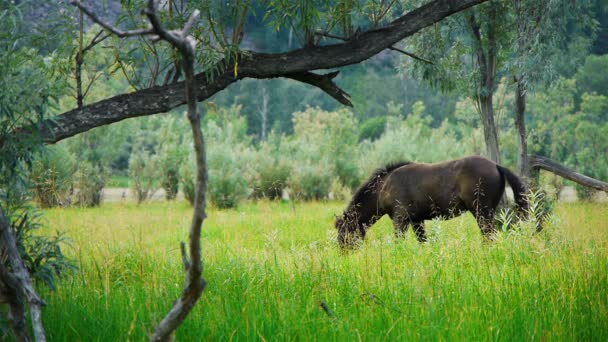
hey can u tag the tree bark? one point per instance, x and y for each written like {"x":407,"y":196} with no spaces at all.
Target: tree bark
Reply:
{"x":544,"y":163}
{"x":12,"y":294}
{"x":520,"y":124}
{"x":19,"y":283}
{"x":490,"y":133}
{"x":486,"y":54}
{"x":251,"y":65}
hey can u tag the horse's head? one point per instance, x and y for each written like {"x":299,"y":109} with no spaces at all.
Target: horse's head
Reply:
{"x":349,"y":230}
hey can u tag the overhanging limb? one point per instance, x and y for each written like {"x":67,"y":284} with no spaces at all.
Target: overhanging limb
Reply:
{"x":547,"y":164}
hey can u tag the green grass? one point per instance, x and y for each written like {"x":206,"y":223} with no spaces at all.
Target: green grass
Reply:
{"x":270,"y":265}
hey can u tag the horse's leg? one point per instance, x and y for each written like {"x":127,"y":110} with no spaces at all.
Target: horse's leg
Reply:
{"x":401,"y":224}
{"x":485,"y":220}
{"x":420,"y":232}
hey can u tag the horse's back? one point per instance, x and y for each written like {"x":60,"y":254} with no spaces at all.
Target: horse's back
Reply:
{"x":442,"y":189}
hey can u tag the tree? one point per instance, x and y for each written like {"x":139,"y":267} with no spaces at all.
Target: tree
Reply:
{"x":467,"y":51}
{"x":470,"y":49}
{"x":541,"y":33}
{"x":223,"y":63}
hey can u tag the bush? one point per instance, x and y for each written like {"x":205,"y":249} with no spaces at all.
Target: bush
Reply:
{"x":311,"y":180}
{"x":171,"y":153}
{"x":186,"y":174}
{"x":89,"y":181}
{"x":372,"y":129}
{"x":271,"y":170}
{"x":52,"y":177}
{"x":227,"y":159}
{"x":143,"y":172}
{"x":323,"y":147}
{"x":170,"y":183}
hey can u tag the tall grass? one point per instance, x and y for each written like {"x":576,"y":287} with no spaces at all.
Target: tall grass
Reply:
{"x":270,"y":266}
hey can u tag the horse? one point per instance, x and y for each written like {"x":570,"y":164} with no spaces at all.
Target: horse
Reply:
{"x":410,"y":193}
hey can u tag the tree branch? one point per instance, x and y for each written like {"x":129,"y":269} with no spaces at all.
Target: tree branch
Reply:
{"x":544,"y":163}
{"x":409,"y":54}
{"x":107,"y":26}
{"x":251,"y":65}
{"x":324,"y":82}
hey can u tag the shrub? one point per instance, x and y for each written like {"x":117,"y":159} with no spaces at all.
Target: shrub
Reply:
{"x":143,"y":172}
{"x":372,"y":129}
{"x":311,"y":180}
{"x":227,"y":175}
{"x":227,"y":184}
{"x":170,"y":183}
{"x":41,"y":254}
{"x":271,"y":169}
{"x":52,"y":177}
{"x":186,"y":174}
{"x":89,"y":181}
{"x":171,"y":153}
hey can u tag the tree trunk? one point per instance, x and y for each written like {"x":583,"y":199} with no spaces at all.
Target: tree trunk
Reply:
{"x":520,"y":124}
{"x":490,"y":133}
{"x":19,"y":283}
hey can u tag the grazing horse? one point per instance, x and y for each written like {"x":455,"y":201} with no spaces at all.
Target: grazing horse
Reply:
{"x":410,"y":193}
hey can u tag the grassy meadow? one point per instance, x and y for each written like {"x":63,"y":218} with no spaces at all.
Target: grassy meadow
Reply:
{"x":269,"y":266}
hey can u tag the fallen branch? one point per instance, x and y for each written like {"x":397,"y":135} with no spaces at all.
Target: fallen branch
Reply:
{"x":544,"y":163}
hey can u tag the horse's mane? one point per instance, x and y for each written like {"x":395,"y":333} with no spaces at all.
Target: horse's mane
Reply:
{"x":370,"y":186}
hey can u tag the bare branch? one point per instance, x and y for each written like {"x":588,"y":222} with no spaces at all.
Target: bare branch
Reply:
{"x":544,"y":163}
{"x":324,"y":82}
{"x":188,"y":26}
{"x":105,"y":25}
{"x":409,"y":54}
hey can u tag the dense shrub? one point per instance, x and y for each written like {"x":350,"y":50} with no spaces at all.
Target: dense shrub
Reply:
{"x":228,"y":153}
{"x":171,"y":152}
{"x":89,"y":181}
{"x":372,"y":129}
{"x":323,"y":147}
{"x":186,"y":175}
{"x":143,"y":172}
{"x":271,"y":169}
{"x":311,"y":181}
{"x":52,"y":177}
{"x":413,"y":139}
{"x":228,"y":156}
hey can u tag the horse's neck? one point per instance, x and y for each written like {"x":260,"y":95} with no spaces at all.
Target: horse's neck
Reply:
{"x":369,"y":209}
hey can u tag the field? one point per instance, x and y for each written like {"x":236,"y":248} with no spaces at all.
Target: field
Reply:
{"x":270,"y":267}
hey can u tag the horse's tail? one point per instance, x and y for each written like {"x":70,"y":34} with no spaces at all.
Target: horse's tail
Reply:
{"x":519,"y":189}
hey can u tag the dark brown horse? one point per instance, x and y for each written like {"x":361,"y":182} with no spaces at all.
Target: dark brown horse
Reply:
{"x":410,"y":193}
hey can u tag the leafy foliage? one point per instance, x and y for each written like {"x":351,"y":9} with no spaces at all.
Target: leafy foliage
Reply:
{"x":51,"y":177}
{"x":30,"y":83}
